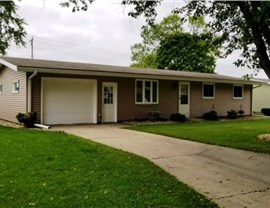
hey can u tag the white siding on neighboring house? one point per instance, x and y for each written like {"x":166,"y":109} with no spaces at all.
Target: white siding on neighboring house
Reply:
{"x":261,"y":97}
{"x":13,"y":96}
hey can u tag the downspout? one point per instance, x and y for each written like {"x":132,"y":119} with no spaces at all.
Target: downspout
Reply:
{"x":29,"y":92}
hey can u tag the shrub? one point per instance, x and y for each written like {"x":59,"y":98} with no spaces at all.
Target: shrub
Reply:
{"x":266,"y":111}
{"x":241,"y":112}
{"x":232,"y":114}
{"x":211,"y":116}
{"x":27,"y":119}
{"x":153,"y":115}
{"x":178,"y":117}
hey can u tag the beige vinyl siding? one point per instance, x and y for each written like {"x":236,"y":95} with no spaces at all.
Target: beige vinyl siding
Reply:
{"x":222,"y":102}
{"x":261,"y":97}
{"x":12,"y":103}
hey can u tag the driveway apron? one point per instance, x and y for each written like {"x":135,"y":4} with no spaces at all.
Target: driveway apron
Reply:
{"x":230,"y":177}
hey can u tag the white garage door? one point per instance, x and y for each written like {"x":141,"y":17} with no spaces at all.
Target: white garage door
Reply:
{"x":69,"y":101}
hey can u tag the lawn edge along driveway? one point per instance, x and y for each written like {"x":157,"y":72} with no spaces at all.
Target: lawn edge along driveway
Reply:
{"x":230,"y":177}
{"x":239,"y":134}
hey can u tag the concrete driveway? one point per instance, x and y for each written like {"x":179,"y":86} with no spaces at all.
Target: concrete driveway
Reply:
{"x":230,"y":177}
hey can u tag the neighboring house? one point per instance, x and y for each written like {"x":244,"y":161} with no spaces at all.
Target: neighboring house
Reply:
{"x":66,"y":93}
{"x":261,"y":95}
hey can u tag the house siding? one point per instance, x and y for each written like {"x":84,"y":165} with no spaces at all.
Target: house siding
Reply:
{"x":222,"y":102}
{"x":261,"y":97}
{"x":12,"y":103}
{"x":168,"y":98}
{"x":127,"y":109}
{"x":36,"y":96}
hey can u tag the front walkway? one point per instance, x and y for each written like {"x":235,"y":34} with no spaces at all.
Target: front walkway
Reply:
{"x":230,"y":177}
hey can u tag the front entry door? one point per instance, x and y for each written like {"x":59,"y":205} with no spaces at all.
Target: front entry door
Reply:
{"x":184,"y":98}
{"x":109,"y":99}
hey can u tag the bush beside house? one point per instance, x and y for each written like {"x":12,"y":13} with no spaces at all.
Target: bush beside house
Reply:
{"x":265,"y":111}
{"x":210,"y":116}
{"x":27,"y":119}
{"x":178,"y":117}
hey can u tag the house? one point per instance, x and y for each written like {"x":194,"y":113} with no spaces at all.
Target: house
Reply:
{"x":67,"y":93}
{"x":261,"y":95}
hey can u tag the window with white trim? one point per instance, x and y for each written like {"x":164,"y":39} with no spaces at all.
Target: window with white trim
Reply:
{"x":238,"y":91}
{"x":208,"y":91}
{"x":1,"y":88}
{"x":146,"y":92}
{"x":16,"y":87}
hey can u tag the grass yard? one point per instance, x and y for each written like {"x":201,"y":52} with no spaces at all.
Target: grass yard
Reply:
{"x":240,"y":134}
{"x":51,"y":169}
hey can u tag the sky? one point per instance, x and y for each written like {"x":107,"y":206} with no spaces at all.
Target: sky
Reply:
{"x":102,"y":35}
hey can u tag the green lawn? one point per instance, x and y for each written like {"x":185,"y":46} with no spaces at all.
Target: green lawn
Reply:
{"x":50,"y":169}
{"x":240,"y":134}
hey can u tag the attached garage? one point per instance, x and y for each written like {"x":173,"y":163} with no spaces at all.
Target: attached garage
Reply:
{"x":68,"y":100}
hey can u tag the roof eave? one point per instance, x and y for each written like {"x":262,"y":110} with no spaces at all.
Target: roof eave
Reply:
{"x":9,"y":65}
{"x":134,"y":75}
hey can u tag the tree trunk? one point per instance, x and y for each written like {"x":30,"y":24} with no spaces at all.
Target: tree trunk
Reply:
{"x":261,"y":50}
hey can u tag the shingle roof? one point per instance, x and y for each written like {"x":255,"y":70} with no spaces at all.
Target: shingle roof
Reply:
{"x":22,"y":64}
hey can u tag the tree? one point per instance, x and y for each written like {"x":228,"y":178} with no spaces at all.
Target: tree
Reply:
{"x":244,"y":25}
{"x":187,"y":52}
{"x":142,"y":57}
{"x":197,"y":25}
{"x":11,"y":26}
{"x":144,"y":54}
{"x":166,"y":45}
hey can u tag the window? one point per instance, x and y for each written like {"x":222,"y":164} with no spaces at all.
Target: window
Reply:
{"x":208,"y":91}
{"x":184,"y":94}
{"x":237,"y":92}
{"x":146,"y":92}
{"x":16,"y":87}
{"x":108,"y":95}
{"x":1,"y":88}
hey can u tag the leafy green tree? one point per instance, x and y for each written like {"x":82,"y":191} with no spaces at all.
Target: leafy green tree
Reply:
{"x":11,"y":26}
{"x":144,"y":54}
{"x":143,"y":57}
{"x":165,"y":45}
{"x":243,"y":25}
{"x":197,"y":25}
{"x":187,"y":52}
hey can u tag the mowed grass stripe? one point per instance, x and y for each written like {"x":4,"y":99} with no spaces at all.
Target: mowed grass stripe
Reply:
{"x":240,"y":134}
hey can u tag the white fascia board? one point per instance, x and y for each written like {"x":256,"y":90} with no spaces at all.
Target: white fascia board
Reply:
{"x":261,"y":81}
{"x":135,"y":75}
{"x":9,"y":65}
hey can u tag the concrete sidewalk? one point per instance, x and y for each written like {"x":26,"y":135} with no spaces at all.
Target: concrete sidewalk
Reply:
{"x":230,"y":177}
